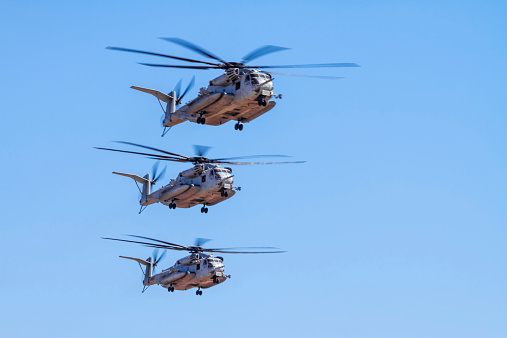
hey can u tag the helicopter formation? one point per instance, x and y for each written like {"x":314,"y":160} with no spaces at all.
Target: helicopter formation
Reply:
{"x":241,"y":94}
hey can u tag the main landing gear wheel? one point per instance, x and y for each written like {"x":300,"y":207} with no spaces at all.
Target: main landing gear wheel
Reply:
{"x":204,"y":210}
{"x":238,"y":126}
{"x":172,"y":205}
{"x":201,"y":120}
{"x":170,"y":289}
{"x":198,"y":293}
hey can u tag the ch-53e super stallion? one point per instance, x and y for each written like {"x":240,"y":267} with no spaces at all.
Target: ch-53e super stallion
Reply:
{"x":206,"y":183}
{"x":198,"y":270}
{"x":241,"y":94}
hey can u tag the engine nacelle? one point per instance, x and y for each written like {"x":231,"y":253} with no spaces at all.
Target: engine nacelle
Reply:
{"x":230,"y":76}
{"x":194,"y":172}
{"x":189,"y":260}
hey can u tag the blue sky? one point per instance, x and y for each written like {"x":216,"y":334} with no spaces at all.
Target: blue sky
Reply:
{"x":395,"y":226}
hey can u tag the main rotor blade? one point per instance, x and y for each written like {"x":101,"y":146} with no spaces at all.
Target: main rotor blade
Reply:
{"x":194,"y":47}
{"x":310,"y":76}
{"x":157,"y":240}
{"x":201,"y":241}
{"x":243,"y":252}
{"x":174,"y":66}
{"x":153,"y":245}
{"x":244,"y":247}
{"x":315,"y":65}
{"x":261,"y":51}
{"x":151,"y":148}
{"x":162,"y":55}
{"x":154,"y":156}
{"x":250,"y":156}
{"x":201,"y":151}
{"x":251,"y":163}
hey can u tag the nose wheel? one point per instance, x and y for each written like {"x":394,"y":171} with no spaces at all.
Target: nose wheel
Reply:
{"x":238,"y":126}
{"x":204,"y":209}
{"x":198,"y":292}
{"x":172,"y":205}
{"x":170,"y":289}
{"x":224,"y":193}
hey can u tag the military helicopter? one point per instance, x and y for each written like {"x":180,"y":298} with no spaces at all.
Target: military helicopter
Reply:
{"x":198,"y":270}
{"x":206,"y":183}
{"x":241,"y":94}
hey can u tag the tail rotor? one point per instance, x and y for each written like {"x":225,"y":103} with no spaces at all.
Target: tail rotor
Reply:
{"x":157,"y":258}
{"x":176,"y":98}
{"x":178,"y":87}
{"x":154,"y":176}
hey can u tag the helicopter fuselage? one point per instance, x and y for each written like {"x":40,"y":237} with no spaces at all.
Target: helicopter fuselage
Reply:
{"x":198,"y":270}
{"x":238,"y":95}
{"x":206,"y":184}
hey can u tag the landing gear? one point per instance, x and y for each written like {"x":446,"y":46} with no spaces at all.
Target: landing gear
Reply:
{"x":262,"y":102}
{"x":215,"y":280}
{"x":238,"y":126}
{"x":170,"y":289}
{"x":204,"y":210}
{"x":172,"y":205}
{"x":201,"y":120}
{"x":224,"y":193}
{"x":198,"y":292}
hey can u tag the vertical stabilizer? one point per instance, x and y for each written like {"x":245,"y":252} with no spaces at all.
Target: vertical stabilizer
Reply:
{"x":146,"y":190}
{"x":149,"y":271}
{"x":170,"y":108}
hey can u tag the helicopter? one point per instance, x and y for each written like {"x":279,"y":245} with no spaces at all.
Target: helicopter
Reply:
{"x":206,"y":183}
{"x":198,"y":270}
{"x":241,"y":94}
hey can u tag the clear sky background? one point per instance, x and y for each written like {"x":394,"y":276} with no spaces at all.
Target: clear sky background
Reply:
{"x":395,"y":226}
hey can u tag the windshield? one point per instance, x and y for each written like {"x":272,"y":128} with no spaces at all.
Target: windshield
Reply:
{"x":258,"y":78}
{"x":255,"y":79}
{"x":221,"y":173}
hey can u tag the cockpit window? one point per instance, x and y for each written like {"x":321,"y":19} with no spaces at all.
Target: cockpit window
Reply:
{"x":219,"y":173}
{"x":255,"y":80}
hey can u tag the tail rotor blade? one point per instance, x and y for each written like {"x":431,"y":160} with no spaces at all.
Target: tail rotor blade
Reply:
{"x":154,"y":170}
{"x":177,"y":88}
{"x":162,"y":173}
{"x":161,"y":256}
{"x":190,"y":86}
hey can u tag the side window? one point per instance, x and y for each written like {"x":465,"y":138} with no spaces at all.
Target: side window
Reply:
{"x":203,"y":178}
{"x":198,"y":267}
{"x":238,"y":84}
{"x":247,"y":78}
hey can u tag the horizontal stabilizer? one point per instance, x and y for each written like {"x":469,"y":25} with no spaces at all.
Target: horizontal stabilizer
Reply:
{"x":134,"y":177}
{"x":159,"y":95}
{"x":138,"y":260}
